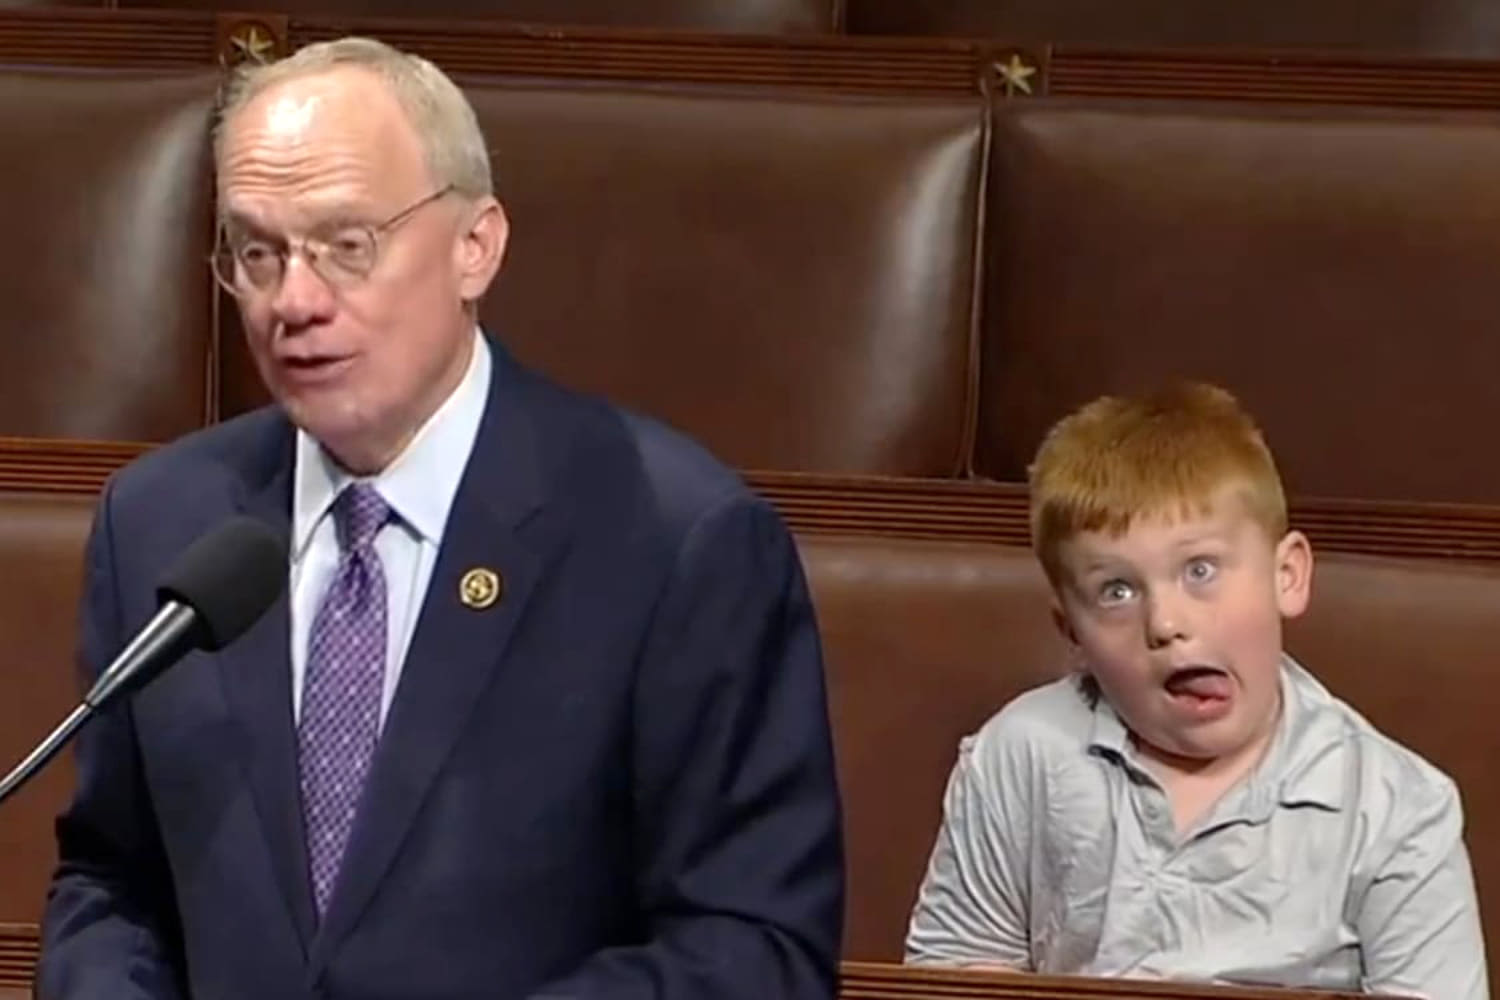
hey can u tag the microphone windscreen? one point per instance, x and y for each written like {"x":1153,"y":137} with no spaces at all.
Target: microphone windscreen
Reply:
{"x":230,"y":576}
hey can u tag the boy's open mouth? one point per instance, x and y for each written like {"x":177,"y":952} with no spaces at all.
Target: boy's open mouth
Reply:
{"x":1199,"y":684}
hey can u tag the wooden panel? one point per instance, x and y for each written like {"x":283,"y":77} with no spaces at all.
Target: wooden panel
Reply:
{"x":929,"y":509}
{"x":86,"y":37}
{"x":56,"y":466}
{"x":166,"y":39}
{"x":823,"y":63}
{"x":157,"y":38}
{"x":1273,"y":76}
{"x":967,"y":511}
{"x":18,"y":949}
{"x":879,"y":981}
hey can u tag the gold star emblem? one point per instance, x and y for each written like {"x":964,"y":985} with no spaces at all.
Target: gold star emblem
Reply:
{"x":479,"y":588}
{"x":1016,"y":75}
{"x":252,"y":43}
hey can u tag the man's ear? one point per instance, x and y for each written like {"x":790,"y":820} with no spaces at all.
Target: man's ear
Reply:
{"x":1294,"y":571}
{"x":481,"y":248}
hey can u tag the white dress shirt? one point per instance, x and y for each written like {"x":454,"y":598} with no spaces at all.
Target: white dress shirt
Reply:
{"x":419,"y":486}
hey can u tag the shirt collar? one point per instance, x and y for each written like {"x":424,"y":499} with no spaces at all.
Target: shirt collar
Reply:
{"x":1108,"y":732}
{"x":1302,"y":765}
{"x":421,"y":482}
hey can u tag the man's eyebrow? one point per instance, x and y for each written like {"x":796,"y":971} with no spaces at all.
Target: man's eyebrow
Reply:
{"x":338,"y":213}
{"x":241,"y":222}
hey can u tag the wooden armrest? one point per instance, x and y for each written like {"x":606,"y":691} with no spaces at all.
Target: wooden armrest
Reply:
{"x":860,"y":981}
{"x":881,"y":981}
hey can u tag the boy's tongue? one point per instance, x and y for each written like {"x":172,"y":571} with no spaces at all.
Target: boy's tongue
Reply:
{"x":1199,"y":682}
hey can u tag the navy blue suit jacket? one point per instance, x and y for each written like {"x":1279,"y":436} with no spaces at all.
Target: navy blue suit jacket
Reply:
{"x":616,"y":782}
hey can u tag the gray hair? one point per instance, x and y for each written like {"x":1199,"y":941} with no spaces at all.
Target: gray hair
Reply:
{"x":438,"y":111}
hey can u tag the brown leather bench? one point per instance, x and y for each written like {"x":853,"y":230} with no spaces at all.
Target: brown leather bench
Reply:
{"x":41,"y":569}
{"x":925,"y":640}
{"x":792,"y":278}
{"x":1334,"y":267}
{"x":105,"y":280}
{"x":789,"y":277}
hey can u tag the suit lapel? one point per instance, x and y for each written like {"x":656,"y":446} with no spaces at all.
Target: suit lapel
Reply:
{"x":257,"y":677}
{"x":456,"y":647}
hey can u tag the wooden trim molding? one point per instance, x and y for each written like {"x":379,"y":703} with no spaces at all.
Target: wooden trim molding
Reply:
{"x":959,"y":511}
{"x":47,"y":465}
{"x":887,"y":981}
{"x":996,"y":513}
{"x":818,"y":62}
{"x":172,"y":39}
{"x":95,"y":37}
{"x":18,"y":951}
{"x":859,"y":981}
{"x":1280,"y":77}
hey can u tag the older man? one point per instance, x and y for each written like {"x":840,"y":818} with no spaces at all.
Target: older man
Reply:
{"x":542,"y":712}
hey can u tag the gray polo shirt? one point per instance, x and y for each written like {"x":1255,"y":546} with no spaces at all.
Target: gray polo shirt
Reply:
{"x":1338,"y":863}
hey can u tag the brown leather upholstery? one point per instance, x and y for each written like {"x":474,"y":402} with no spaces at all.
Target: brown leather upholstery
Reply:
{"x":41,"y":569}
{"x":1431,"y":27}
{"x":106,"y":203}
{"x":1411,"y":645}
{"x":789,"y":279}
{"x":1335,"y":268}
{"x":924,"y":641}
{"x":758,"y":16}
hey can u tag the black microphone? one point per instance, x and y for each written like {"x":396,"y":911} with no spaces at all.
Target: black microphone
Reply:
{"x":220,"y":586}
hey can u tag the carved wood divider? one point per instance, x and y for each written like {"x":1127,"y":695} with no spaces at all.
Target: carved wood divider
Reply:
{"x":918,"y":509}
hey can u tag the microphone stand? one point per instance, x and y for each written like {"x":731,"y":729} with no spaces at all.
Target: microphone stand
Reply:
{"x":164,"y":639}
{"x":45,"y":751}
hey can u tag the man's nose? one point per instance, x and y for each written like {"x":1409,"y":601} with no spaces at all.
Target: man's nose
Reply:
{"x":303,"y":296}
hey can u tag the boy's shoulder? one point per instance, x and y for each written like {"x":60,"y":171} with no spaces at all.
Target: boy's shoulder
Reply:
{"x":1382,"y":777}
{"x":1049,"y":722}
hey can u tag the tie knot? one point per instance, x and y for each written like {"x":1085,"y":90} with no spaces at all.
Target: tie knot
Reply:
{"x":358,"y":513}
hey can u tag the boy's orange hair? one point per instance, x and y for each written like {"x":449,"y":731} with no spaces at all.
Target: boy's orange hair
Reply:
{"x":1120,"y":458}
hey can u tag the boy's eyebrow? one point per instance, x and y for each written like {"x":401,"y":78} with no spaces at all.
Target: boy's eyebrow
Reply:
{"x":1107,"y":564}
{"x":1199,"y":537}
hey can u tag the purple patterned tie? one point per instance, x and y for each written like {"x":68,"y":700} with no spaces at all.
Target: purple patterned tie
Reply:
{"x":341,"y":690}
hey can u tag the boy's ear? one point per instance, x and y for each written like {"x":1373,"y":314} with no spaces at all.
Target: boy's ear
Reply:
{"x":1060,"y":620}
{"x":1294,"y":570}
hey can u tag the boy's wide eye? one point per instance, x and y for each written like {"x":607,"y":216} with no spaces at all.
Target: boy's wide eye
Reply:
{"x":1115,"y":592}
{"x":1201,"y":570}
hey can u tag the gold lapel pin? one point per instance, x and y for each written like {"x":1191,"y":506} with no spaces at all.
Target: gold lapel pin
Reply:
{"x":479,"y":588}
